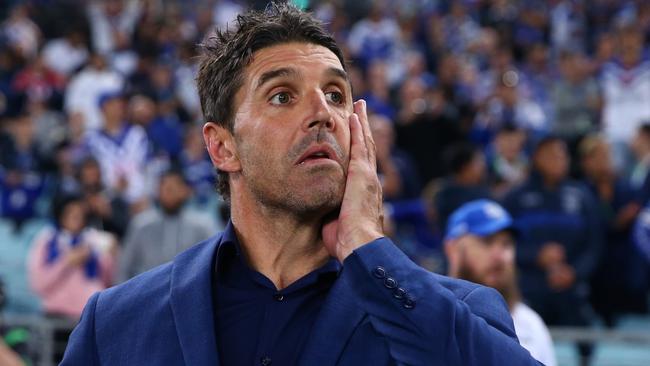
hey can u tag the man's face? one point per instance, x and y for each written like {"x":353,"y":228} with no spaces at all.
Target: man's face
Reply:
{"x":489,"y":261}
{"x":291,"y":128}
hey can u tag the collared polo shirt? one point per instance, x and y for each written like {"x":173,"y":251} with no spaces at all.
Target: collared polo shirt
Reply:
{"x":256,"y":324}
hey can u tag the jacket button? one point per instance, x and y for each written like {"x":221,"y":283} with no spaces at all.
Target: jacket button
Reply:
{"x":399,"y":293}
{"x":265,"y":361}
{"x":390,"y":282}
{"x":278,"y":297}
{"x":409,"y":303}
{"x":379,"y":272}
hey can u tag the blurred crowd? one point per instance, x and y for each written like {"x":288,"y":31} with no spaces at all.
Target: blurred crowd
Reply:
{"x":543,"y":106}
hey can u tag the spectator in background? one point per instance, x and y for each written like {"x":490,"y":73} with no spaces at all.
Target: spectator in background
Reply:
{"x":480,"y":247}
{"x":464,"y":182}
{"x":85,"y":88}
{"x":620,"y":281}
{"x":67,"y":54}
{"x":197,"y":167}
{"x":397,"y":173}
{"x":506,"y":160}
{"x":69,"y":261}
{"x":374,"y":37}
{"x":156,"y":236}
{"x":576,"y":100}
{"x":21,"y":33}
{"x":378,"y":92}
{"x":165,"y":131}
{"x":561,"y":239}
{"x":121,"y":149}
{"x":105,"y":209}
{"x":9,"y":357}
{"x":21,"y":181}
{"x":110,"y":21}
{"x":626,"y":93}
{"x":640,"y":176}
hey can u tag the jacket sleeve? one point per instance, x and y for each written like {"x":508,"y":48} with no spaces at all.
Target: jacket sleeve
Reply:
{"x":82,"y":347}
{"x":422,"y":320}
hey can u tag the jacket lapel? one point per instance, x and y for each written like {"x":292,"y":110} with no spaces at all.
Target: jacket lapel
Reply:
{"x":191,"y":303}
{"x":337,"y":320}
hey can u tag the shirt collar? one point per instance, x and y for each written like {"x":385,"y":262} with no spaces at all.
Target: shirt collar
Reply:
{"x":230,"y":249}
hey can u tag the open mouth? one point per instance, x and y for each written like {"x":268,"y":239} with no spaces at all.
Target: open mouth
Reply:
{"x":317,"y":153}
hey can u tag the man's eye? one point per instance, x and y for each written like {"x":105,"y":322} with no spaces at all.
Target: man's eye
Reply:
{"x":281,"y":98}
{"x":335,"y":97}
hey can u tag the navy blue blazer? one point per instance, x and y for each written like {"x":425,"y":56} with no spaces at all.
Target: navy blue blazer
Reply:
{"x":165,"y":317}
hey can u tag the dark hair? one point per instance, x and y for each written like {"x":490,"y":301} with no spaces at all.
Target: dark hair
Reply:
{"x":458,"y":156}
{"x":545,"y":141}
{"x":226,"y":53}
{"x":60,"y":203}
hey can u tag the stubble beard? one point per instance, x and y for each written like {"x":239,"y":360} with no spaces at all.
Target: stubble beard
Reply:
{"x":305,"y":192}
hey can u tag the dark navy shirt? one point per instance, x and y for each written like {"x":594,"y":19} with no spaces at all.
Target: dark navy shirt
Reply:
{"x":255,"y":324}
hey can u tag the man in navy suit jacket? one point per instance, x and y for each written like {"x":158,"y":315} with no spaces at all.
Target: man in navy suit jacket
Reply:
{"x":303,"y":273}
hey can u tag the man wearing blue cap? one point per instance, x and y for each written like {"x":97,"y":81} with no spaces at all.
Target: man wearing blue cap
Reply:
{"x":480,"y":247}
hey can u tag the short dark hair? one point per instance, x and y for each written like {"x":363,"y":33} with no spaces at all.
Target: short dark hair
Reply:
{"x":458,"y":156}
{"x":226,"y":53}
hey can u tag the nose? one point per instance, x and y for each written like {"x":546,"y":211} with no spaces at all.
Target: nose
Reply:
{"x":319,"y":113}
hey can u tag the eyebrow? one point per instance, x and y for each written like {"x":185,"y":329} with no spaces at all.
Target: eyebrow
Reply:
{"x":290,"y":72}
{"x":273,"y":74}
{"x":339,"y":73}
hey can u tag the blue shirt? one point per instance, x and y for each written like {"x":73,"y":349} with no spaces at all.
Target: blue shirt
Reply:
{"x":255,"y":324}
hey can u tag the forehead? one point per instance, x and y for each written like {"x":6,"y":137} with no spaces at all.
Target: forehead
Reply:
{"x":307,"y":56}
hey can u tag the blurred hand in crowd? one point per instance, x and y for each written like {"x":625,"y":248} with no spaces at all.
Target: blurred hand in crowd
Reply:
{"x":551,"y":254}
{"x":561,"y":276}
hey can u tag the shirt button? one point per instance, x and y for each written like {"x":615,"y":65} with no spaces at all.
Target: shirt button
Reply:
{"x":399,"y":293}
{"x":278,"y":297}
{"x":379,"y":272}
{"x":390,"y":282}
{"x":409,"y":303}
{"x":265,"y":361}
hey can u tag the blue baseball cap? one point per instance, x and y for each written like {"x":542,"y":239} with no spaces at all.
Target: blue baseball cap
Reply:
{"x":481,"y":218}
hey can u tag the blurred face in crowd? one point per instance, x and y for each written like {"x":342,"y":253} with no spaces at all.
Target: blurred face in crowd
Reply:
{"x":382,"y":132}
{"x":113,"y":110}
{"x":631,"y":46}
{"x":552,"y":161}
{"x":509,"y":144}
{"x":489,"y":260}
{"x":291,"y":129}
{"x":173,"y":193}
{"x":597,"y":161}
{"x":142,"y":110}
{"x":475,"y":170}
{"x":641,"y":144}
{"x":89,"y":174}
{"x":73,"y":217}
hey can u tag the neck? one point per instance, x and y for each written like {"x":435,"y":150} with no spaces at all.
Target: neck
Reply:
{"x":277,"y":243}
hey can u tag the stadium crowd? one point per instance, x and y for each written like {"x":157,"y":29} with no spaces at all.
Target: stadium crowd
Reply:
{"x":543,"y":106}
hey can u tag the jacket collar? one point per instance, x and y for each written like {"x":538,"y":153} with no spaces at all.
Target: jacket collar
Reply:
{"x":191,"y":302}
{"x":192,"y":308}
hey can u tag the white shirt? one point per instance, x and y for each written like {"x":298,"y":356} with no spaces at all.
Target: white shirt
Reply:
{"x":626,"y":94}
{"x":533,"y":334}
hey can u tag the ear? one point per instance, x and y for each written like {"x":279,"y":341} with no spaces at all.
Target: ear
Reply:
{"x":221,"y":147}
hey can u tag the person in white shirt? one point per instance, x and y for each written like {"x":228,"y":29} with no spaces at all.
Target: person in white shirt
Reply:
{"x":480,"y":247}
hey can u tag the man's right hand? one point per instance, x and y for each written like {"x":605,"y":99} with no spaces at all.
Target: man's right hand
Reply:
{"x":552,"y":253}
